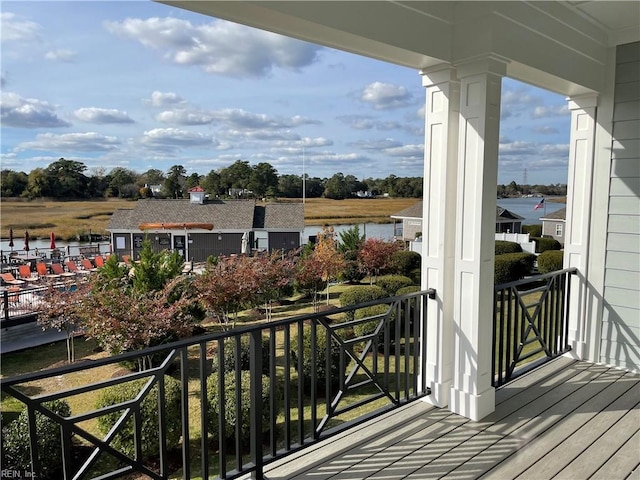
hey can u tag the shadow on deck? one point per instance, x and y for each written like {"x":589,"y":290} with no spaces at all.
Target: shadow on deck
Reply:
{"x":566,"y":419}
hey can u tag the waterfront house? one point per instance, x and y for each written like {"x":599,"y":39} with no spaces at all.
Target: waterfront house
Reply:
{"x":574,"y":417}
{"x":553,"y":225}
{"x":198,"y":227}
{"x":410,"y":226}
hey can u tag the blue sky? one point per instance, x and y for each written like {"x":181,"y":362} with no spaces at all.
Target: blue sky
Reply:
{"x":142,"y":85}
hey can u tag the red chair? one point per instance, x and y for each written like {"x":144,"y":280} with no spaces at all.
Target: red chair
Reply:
{"x":43,"y":272}
{"x":99,"y":261}
{"x":10,"y":279}
{"x":57,"y":269}
{"x":24,"y":273}
{"x":87,"y":265}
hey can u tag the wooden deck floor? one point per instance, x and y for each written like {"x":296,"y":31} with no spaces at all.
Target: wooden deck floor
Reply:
{"x":565,"y":420}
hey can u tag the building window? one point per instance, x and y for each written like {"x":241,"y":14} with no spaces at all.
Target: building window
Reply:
{"x":558,"y":229}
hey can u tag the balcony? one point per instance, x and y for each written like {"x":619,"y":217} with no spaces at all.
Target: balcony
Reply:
{"x":366,"y":418}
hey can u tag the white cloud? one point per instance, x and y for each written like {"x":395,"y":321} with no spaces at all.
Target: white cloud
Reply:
{"x":102,"y":115}
{"x":365,"y":122}
{"x":550,"y":111}
{"x":546,"y":130}
{"x":16,"y":29}
{"x":61,"y":55}
{"x":239,"y":118}
{"x":176,"y":137}
{"x":218,"y":47}
{"x":381,"y":144}
{"x":184,"y":117}
{"x":259,"y":135}
{"x":165,"y":99}
{"x":19,"y":112}
{"x":383,"y":96}
{"x":410,"y":151}
{"x":71,"y":142}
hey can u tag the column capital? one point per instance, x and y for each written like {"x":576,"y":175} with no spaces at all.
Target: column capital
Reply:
{"x":585,"y":100}
{"x":493,"y":64}
{"x":437,"y":74}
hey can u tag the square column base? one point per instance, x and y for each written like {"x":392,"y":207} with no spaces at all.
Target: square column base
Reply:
{"x":473,"y":406}
{"x":439,"y":396}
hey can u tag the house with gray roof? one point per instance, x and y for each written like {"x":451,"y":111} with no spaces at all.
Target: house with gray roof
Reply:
{"x":410,"y":225}
{"x":198,"y":227}
{"x":553,"y":224}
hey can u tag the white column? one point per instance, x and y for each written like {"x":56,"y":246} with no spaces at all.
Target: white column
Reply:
{"x":579,"y":200}
{"x":438,"y":229}
{"x":472,"y":393}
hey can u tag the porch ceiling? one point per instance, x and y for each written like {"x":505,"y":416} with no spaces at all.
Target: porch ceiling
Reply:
{"x":561,"y":46}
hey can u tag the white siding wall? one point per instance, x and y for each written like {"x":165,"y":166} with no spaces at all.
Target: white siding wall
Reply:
{"x":621,"y":320}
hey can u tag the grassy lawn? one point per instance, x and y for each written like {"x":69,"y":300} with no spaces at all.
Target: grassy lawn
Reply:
{"x":70,"y":220}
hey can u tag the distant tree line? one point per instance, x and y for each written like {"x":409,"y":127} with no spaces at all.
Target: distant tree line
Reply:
{"x":515,"y":190}
{"x":67,"y":179}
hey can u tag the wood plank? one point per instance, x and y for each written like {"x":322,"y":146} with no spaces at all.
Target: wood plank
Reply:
{"x":604,"y":447}
{"x":537,"y":447}
{"x":573,"y":445}
{"x":625,"y":460}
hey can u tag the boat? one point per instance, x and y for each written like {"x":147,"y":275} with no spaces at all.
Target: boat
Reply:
{"x":175,"y":226}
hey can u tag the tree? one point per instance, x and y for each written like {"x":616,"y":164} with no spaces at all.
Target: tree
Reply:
{"x":67,"y":179}
{"x":62,"y":309}
{"x":211,"y":184}
{"x":13,"y":184}
{"x":264,"y":179}
{"x":350,"y":243}
{"x":337,"y":188}
{"x":272,"y":274}
{"x":122,"y":183}
{"x":155,"y":269}
{"x":192,"y":180}
{"x":237,"y":175}
{"x":290,"y":186}
{"x":39,"y":184}
{"x":376,"y":256}
{"x":227,"y":286}
{"x":327,"y":254}
{"x":173,"y":186}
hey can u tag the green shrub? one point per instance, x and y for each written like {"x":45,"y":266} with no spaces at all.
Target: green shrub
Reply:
{"x":230,"y":411}
{"x":405,"y":261}
{"x":245,"y":355}
{"x":320,"y":370}
{"x":416,"y":275}
{"x":532,"y":230}
{"x":503,"y":247}
{"x":392,"y":283}
{"x":408,"y":289}
{"x":550,"y":261}
{"x":544,"y":244}
{"x":512,"y":266}
{"x":360,"y":294}
{"x":367,"y":328}
{"x":124,"y":439}
{"x":16,"y":454}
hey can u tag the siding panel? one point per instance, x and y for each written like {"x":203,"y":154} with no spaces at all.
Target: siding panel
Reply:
{"x":620,"y":335}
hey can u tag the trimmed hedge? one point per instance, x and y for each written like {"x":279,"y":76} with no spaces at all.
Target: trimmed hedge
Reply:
{"x":550,"y":261}
{"x":502,"y":247}
{"x":512,"y":266}
{"x":360,"y":294}
{"x":320,"y":369}
{"x":544,"y":244}
{"x":124,"y":439}
{"x":392,"y":283}
{"x":230,"y":413}
{"x":16,"y":453}
{"x":245,"y":355}
{"x":366,"y":328}
{"x":408,"y":289}
{"x":532,"y":230}
{"x":405,"y":261}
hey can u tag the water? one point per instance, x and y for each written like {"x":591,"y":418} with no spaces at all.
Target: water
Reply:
{"x":525,"y":208}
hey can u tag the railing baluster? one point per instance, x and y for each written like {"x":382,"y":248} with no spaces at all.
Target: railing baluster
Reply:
{"x":184,"y":380}
{"x":204,"y":410}
{"x":287,"y":387}
{"x":222,"y":407}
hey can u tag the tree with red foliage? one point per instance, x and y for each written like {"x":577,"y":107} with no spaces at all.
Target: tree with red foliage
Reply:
{"x":376,"y":256}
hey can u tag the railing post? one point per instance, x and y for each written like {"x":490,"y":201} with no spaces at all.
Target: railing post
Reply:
{"x":256,"y":402}
{"x":5,"y":303}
